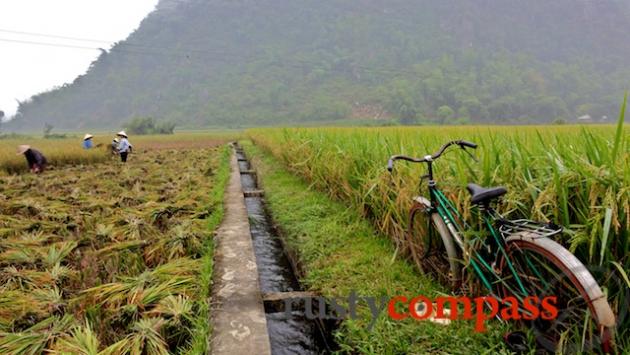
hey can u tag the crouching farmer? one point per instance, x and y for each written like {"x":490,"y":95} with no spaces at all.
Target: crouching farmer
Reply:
{"x":36,"y":160}
{"x":87,"y":141}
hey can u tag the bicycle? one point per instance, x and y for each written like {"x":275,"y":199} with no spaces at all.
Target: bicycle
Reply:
{"x":514,"y":258}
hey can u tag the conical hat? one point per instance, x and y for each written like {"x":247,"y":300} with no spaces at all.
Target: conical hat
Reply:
{"x":122,"y":133}
{"x":22,"y":149}
{"x":87,"y":136}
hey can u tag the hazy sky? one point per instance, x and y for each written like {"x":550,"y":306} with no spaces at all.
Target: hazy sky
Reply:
{"x":27,"y":69}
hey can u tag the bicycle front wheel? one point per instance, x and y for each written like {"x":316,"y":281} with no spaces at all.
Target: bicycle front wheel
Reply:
{"x":585,"y":321}
{"x":433,"y":248}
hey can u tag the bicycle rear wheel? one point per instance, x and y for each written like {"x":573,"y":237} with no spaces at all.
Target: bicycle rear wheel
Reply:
{"x":585,"y":321}
{"x":432,"y":247}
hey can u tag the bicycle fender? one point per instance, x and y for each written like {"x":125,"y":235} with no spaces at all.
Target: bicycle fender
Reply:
{"x":423,"y":201}
{"x":602,"y":309}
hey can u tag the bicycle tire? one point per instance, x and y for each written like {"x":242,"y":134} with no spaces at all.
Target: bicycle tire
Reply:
{"x":418,"y":216}
{"x":576,"y":272}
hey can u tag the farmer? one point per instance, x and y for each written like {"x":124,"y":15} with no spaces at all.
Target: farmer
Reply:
{"x":124,"y":147}
{"x":36,"y":160}
{"x":87,"y":141}
{"x":114,"y":146}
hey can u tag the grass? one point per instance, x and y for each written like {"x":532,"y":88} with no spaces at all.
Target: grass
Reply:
{"x":577,"y":176}
{"x":340,"y":253}
{"x":111,"y":258}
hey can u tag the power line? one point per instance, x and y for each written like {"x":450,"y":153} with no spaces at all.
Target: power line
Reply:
{"x":220,"y":56}
{"x":117,"y":43}
{"x":178,"y":52}
{"x":48,"y":44}
{"x":55,"y":36}
{"x":152,"y":50}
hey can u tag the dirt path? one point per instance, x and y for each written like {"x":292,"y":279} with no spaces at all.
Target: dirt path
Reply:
{"x":238,"y":314}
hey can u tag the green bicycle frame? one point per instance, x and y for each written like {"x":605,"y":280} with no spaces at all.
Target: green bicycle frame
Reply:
{"x":457,"y":226}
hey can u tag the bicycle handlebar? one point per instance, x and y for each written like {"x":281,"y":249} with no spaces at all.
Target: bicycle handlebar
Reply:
{"x":467,"y":144}
{"x":429,"y":158}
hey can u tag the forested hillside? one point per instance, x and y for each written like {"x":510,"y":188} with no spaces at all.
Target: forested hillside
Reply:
{"x":258,"y":62}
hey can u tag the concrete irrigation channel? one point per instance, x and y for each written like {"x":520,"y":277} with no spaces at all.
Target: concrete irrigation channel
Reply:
{"x":255,"y":279}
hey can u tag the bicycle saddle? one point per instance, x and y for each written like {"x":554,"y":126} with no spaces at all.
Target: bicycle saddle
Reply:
{"x":480,"y":195}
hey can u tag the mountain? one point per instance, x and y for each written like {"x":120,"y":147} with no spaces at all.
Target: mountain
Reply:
{"x":258,"y":62}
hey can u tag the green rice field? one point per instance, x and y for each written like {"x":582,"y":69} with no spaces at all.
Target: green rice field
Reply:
{"x":575,"y":176}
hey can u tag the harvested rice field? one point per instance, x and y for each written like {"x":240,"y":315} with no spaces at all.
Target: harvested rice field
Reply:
{"x":110,"y":258}
{"x":68,"y":151}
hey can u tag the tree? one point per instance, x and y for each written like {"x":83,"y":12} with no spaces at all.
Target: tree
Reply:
{"x":408,"y":115}
{"x":559,"y":121}
{"x":503,"y":109}
{"x":165,"y":128}
{"x":472,"y":107}
{"x":445,"y":114}
{"x":48,"y":129}
{"x":551,"y":108}
{"x":148,"y":125}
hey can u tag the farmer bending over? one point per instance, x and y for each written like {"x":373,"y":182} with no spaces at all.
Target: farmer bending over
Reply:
{"x":124,"y":147}
{"x":36,"y":160}
{"x":113,"y":148}
{"x":87,"y":141}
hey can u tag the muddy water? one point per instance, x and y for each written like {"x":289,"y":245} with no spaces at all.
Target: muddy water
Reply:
{"x":297,"y":334}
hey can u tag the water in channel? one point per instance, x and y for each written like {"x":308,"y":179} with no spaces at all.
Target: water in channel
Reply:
{"x":295,"y":335}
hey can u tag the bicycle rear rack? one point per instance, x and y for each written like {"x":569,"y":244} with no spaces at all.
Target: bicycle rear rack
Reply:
{"x":511,"y":227}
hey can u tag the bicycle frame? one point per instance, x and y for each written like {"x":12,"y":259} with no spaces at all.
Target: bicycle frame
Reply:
{"x":457,"y":226}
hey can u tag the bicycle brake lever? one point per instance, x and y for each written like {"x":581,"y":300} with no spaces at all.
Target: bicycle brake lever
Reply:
{"x":470,"y":154}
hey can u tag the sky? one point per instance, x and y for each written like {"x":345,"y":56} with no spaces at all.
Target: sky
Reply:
{"x":28,"y":69}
